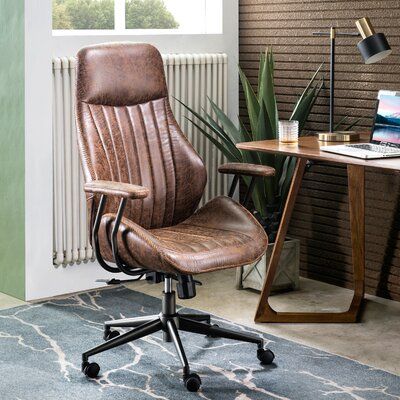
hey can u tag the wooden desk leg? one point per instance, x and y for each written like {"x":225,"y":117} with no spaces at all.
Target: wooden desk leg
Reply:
{"x":265,"y":313}
{"x":356,"y":180}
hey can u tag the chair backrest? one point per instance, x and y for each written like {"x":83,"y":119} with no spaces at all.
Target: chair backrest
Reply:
{"x":127,"y":133}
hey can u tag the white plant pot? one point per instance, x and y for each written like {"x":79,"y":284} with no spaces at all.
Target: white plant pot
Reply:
{"x":287,"y":276}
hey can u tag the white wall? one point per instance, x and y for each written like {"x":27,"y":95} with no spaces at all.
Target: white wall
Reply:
{"x":42,"y":278}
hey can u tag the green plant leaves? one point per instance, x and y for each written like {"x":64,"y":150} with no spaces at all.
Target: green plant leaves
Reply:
{"x":266,"y":92}
{"x":262,"y":113}
{"x":227,"y":124}
{"x":263,"y":129}
{"x":352,"y":125}
{"x":306,"y":90}
{"x":224,"y":149}
{"x":347,"y":128}
{"x":306,"y":101}
{"x":253,"y":107}
{"x":340,"y":123}
{"x":226,"y":140}
{"x":303,"y":108}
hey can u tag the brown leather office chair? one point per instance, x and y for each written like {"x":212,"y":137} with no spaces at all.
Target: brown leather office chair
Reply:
{"x":144,"y":182}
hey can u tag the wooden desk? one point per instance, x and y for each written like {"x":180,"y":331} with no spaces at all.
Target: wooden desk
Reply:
{"x":308,"y":148}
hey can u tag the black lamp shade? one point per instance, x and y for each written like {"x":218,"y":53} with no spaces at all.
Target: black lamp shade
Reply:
{"x":374,"y":48}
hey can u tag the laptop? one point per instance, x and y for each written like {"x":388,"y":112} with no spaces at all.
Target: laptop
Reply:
{"x":385,"y":135}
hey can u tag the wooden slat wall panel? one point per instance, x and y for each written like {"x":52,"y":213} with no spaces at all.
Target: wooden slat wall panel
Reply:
{"x":321,"y":218}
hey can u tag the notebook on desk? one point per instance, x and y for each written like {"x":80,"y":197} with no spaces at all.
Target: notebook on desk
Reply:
{"x":385,"y":135}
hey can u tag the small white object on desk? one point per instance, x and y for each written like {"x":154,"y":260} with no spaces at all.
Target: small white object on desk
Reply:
{"x":288,"y":131}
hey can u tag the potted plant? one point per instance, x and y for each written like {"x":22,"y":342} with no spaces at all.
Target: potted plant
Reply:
{"x":269,"y":193}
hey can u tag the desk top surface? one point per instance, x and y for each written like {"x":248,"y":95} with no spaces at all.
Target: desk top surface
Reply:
{"x":309,"y":147}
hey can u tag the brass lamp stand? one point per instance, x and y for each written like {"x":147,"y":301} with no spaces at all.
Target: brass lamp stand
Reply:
{"x":373,"y":47}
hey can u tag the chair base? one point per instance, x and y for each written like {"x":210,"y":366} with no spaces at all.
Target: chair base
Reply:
{"x":169,"y":322}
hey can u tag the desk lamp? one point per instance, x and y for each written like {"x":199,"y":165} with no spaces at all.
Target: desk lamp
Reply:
{"x":373,"y":48}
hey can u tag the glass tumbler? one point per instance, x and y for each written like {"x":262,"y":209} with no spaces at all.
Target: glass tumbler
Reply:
{"x":288,"y":131}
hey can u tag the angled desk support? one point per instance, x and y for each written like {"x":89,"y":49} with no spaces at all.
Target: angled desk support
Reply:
{"x":308,"y":149}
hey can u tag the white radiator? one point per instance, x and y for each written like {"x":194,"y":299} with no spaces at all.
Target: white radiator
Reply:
{"x":192,"y":78}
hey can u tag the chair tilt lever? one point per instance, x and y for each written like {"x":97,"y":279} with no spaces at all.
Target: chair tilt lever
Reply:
{"x":186,"y":287}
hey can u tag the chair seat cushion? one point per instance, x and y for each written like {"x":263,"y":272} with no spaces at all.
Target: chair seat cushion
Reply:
{"x":220,"y":235}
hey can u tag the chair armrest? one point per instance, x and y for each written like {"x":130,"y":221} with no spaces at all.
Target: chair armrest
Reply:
{"x":246,"y":169}
{"x":120,"y":189}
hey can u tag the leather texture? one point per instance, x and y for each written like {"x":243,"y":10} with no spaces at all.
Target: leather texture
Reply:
{"x":138,"y":143}
{"x":220,"y":235}
{"x":119,"y":189}
{"x":102,"y":81}
{"x":128,"y":134}
{"x":246,"y":169}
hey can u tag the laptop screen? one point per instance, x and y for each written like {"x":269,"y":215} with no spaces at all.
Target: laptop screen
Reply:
{"x":387,"y":120}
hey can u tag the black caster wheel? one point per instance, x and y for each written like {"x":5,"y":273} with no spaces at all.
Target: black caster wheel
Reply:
{"x":91,"y":370}
{"x":266,"y":356}
{"x":211,"y":335}
{"x":192,"y":382}
{"x":110,"y":335}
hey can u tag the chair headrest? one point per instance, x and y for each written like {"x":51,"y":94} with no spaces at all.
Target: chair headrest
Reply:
{"x":120,"y":74}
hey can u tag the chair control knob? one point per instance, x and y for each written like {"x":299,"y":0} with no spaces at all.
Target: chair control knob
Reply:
{"x":192,"y":382}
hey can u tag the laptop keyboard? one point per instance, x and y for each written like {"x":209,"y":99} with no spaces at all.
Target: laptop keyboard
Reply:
{"x":374,"y":147}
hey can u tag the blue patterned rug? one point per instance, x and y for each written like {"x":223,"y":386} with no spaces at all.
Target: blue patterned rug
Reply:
{"x":41,"y":346}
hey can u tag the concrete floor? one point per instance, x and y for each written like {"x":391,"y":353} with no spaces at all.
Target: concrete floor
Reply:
{"x":373,"y":341}
{"x":9,"y":302}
